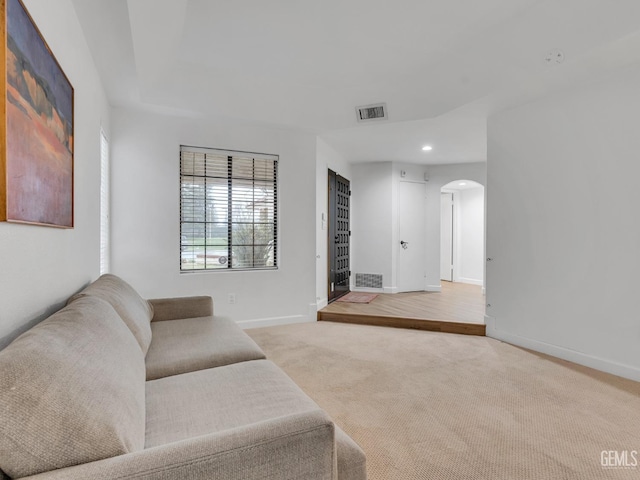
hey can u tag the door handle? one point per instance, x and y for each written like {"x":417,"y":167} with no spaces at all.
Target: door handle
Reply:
{"x":404,"y":244}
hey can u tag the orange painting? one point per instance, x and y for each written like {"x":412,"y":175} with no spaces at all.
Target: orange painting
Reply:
{"x":38,"y":150}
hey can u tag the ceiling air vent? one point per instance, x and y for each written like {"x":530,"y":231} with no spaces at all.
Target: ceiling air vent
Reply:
{"x":367,"y":113}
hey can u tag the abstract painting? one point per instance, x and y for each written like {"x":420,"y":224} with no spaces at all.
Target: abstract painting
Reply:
{"x":36,"y":151}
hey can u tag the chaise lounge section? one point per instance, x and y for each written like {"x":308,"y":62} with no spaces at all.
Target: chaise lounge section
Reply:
{"x":114,"y":386}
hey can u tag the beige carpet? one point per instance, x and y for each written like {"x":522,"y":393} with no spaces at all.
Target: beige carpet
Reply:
{"x":427,"y":405}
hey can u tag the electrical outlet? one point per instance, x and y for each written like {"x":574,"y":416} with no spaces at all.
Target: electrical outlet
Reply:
{"x":231,"y":298}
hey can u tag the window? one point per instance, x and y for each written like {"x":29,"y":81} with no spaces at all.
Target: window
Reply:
{"x":104,"y":204}
{"x":228,"y":210}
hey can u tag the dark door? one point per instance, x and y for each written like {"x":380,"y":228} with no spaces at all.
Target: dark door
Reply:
{"x":339,"y":200}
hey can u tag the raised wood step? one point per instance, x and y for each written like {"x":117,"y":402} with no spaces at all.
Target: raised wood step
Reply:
{"x":403,"y":322}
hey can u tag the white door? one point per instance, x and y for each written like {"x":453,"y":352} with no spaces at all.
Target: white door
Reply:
{"x":412,"y":230}
{"x":446,"y":237}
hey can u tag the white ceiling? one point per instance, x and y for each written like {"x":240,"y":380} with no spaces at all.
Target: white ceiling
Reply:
{"x":441,"y":66}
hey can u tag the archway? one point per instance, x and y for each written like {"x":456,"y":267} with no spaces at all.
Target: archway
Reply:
{"x":462,"y":232}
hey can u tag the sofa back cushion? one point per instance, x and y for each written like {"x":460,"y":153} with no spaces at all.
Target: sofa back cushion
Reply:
{"x":134,"y":310}
{"x":72,"y":391}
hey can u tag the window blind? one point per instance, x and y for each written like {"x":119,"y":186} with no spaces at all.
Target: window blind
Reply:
{"x":104,"y":204}
{"x":228,"y":210}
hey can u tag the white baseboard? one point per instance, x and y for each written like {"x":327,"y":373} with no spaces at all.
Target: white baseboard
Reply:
{"x":323,"y":302}
{"x":433,"y":288}
{"x":591,"y":361}
{"x":390,"y":290}
{"x":271,"y":322}
{"x":470,"y":281}
{"x":368,"y":290}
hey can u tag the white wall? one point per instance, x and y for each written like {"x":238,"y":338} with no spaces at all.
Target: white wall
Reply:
{"x":145,"y":214}
{"x":326,"y":158}
{"x":440,"y":175}
{"x":372,"y":229}
{"x":470,"y":233}
{"x":42,"y":266}
{"x":563,"y":201}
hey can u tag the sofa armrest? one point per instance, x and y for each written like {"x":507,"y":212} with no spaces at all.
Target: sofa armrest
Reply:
{"x":181,"y":307}
{"x":295,"y":447}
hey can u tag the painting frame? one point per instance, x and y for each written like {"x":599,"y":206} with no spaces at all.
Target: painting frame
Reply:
{"x":37,"y":124}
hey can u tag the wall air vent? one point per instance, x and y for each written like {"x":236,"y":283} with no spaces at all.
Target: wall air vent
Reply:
{"x":368,"y":280}
{"x":368,"y":113}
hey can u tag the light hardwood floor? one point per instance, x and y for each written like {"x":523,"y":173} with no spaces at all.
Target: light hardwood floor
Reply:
{"x":459,"y":308}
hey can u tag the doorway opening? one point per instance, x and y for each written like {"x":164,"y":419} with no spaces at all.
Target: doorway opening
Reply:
{"x":338,"y":236}
{"x":462,"y":214}
{"x":455,"y":310}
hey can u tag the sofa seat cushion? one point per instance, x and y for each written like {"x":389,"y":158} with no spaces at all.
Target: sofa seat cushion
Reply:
{"x":208,"y":401}
{"x":71,"y":391}
{"x":134,"y":310}
{"x":188,"y":345}
{"x":224,"y":398}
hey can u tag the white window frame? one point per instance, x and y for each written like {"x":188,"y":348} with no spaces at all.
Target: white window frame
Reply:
{"x":223,"y":168}
{"x":105,"y":210}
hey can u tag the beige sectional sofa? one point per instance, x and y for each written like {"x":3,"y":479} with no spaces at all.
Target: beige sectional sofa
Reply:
{"x":113,"y":386}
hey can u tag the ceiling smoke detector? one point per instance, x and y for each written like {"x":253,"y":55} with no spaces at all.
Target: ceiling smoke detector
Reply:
{"x":377,"y":111}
